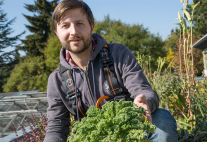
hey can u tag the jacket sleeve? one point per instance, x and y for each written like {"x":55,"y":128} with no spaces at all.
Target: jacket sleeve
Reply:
{"x":133,"y":77}
{"x":58,"y":116}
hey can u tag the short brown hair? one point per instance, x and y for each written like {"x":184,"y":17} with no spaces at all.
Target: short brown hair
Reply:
{"x":71,"y":4}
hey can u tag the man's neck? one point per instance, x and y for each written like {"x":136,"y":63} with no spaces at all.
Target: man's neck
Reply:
{"x":82,"y":59}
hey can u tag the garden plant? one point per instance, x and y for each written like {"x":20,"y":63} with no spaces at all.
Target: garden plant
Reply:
{"x":116,"y":122}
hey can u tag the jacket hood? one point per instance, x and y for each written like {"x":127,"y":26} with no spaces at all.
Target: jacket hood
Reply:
{"x":99,"y":45}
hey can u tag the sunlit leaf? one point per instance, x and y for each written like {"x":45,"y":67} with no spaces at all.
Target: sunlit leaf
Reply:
{"x":187,"y":15}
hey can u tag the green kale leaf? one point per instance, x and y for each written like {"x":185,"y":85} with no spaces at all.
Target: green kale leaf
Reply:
{"x":116,"y":122}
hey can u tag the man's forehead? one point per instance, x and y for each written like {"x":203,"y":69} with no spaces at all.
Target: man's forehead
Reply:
{"x":74,"y":14}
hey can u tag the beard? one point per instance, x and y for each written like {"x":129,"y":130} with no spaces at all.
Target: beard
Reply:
{"x":82,"y":47}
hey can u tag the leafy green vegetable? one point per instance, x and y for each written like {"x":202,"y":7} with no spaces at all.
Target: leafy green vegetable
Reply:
{"x":116,"y":122}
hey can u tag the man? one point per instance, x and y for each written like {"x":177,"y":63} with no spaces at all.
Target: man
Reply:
{"x":80,"y":62}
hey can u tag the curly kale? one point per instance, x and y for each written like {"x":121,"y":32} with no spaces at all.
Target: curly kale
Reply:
{"x":116,"y":122}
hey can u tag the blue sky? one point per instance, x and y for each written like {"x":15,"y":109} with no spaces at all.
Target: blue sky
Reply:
{"x":159,"y":16}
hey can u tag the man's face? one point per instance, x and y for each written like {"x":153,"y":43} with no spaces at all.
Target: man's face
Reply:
{"x":74,"y":31}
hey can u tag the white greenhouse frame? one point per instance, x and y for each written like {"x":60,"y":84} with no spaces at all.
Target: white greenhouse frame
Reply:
{"x":15,"y":107}
{"x":202,"y":45}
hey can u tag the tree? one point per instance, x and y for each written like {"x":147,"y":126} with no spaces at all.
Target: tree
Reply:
{"x":52,"y":53}
{"x":27,"y":75}
{"x":135,"y":37}
{"x":39,"y":26}
{"x":200,"y":18}
{"x":170,"y":42}
{"x":32,"y":73}
{"x":7,"y":58}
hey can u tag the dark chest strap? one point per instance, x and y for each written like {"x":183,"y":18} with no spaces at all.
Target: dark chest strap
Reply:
{"x":107,"y":65}
{"x":69,"y":82}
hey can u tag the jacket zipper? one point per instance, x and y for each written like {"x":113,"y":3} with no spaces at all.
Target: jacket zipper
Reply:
{"x":88,"y":83}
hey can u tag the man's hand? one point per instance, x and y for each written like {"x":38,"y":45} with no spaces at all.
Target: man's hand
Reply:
{"x":141,"y":101}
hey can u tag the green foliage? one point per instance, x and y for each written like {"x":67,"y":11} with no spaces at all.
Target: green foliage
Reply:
{"x":144,"y":61}
{"x":171,"y":89}
{"x":168,"y":85}
{"x":52,"y":53}
{"x":7,"y":59}
{"x":28,"y":75}
{"x":200,"y":100}
{"x":170,"y":42}
{"x":135,"y":37}
{"x":198,"y":133}
{"x":116,"y":122}
{"x":39,"y":26}
{"x":200,"y":18}
{"x":32,"y":72}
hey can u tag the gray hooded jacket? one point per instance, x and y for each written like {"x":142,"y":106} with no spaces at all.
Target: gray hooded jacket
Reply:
{"x":129,"y":75}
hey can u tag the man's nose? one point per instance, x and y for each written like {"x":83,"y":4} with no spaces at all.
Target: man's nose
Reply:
{"x":73,"y":30}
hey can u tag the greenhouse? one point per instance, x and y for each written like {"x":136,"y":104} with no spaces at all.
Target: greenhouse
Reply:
{"x":202,"y":45}
{"x":15,"y":107}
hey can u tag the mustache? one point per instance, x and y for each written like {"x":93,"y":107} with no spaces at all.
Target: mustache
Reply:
{"x":75,"y":38}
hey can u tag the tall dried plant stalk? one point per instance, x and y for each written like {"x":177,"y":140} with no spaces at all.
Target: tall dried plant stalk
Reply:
{"x":186,"y":42}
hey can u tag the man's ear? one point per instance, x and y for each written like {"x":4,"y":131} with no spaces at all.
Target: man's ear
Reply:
{"x":92,"y":28}
{"x":55,"y":32}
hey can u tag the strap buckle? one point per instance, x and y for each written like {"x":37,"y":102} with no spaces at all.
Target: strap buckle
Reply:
{"x":72,"y":96}
{"x":106,"y":62}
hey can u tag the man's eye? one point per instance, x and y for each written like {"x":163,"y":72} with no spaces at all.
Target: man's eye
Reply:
{"x":65,"y":26}
{"x":79,"y":23}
